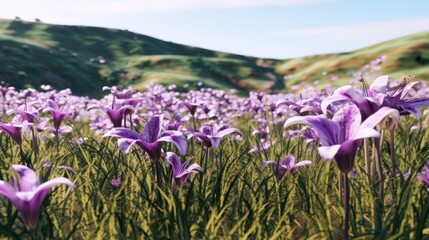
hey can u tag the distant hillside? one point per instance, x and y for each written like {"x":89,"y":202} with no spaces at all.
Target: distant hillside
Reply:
{"x":407,"y":55}
{"x":87,"y":58}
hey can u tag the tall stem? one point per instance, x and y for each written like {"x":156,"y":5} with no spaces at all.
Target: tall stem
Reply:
{"x":366,"y":157}
{"x":57,"y":140}
{"x":35,"y":147}
{"x":158,"y":173}
{"x":346,"y":205}
{"x":379,"y":171}
{"x":392,"y":151}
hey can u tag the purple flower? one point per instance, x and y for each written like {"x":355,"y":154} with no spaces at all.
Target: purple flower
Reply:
{"x":26,"y":115}
{"x":378,"y":95}
{"x":342,"y":136}
{"x":211,"y":136}
{"x":302,"y":107}
{"x":27,"y":193}
{"x":151,"y":140}
{"x":58,"y":115}
{"x":120,"y":94}
{"x":192,"y":107}
{"x":288,"y":163}
{"x":116,"y":182}
{"x":181,"y":172}
{"x":14,"y":130}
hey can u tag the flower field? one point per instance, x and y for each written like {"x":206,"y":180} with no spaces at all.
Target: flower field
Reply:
{"x":349,"y":162}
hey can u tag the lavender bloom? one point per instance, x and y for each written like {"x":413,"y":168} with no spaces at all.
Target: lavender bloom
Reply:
{"x":27,"y":193}
{"x":288,"y":163}
{"x":58,"y":115}
{"x":181,"y":172}
{"x":379,"y":95}
{"x":342,"y":136}
{"x":302,"y":107}
{"x":120,"y":94}
{"x":26,"y":115}
{"x":116,"y":182}
{"x":116,"y":114}
{"x":151,"y":140}
{"x":192,"y":107}
{"x":211,"y":136}
{"x":14,"y":130}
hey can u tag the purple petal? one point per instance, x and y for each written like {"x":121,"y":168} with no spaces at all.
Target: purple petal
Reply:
{"x":125,"y":144}
{"x":28,"y":179}
{"x":378,"y":116}
{"x":329,"y":152}
{"x":303,"y":163}
{"x":41,"y":191}
{"x":407,"y":88}
{"x":115,"y":116}
{"x":152,"y":129}
{"x":153,"y":149}
{"x":191,"y":169}
{"x":215,"y":141}
{"x":228,"y":131}
{"x":366,"y":133}
{"x":174,"y":161}
{"x":116,"y":182}
{"x":272,"y":163}
{"x":8,"y":191}
{"x":289,"y":160}
{"x":300,"y":164}
{"x":329,"y":100}
{"x":123,"y":133}
{"x":177,"y":138}
{"x":203,"y":137}
{"x":13,"y":131}
{"x":328,"y":130}
{"x":380,"y":84}
{"x":349,"y":119}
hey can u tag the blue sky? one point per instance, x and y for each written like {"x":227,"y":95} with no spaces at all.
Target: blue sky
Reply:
{"x":263,"y":28}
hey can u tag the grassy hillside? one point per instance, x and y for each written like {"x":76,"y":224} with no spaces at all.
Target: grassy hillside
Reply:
{"x":87,"y":58}
{"x":408,"y":55}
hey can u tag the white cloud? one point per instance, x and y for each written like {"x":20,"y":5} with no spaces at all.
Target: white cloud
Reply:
{"x":367,"y":32}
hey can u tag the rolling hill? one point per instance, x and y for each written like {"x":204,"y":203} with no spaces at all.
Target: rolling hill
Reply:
{"x":405,"y":56}
{"x":85,"y":59}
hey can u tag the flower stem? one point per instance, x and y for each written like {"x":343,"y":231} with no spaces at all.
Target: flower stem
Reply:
{"x":158,"y":173}
{"x":392,"y":151}
{"x":35,"y":147}
{"x":346,"y":205}
{"x":57,"y":141}
{"x":366,"y":157}
{"x":379,"y":171}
